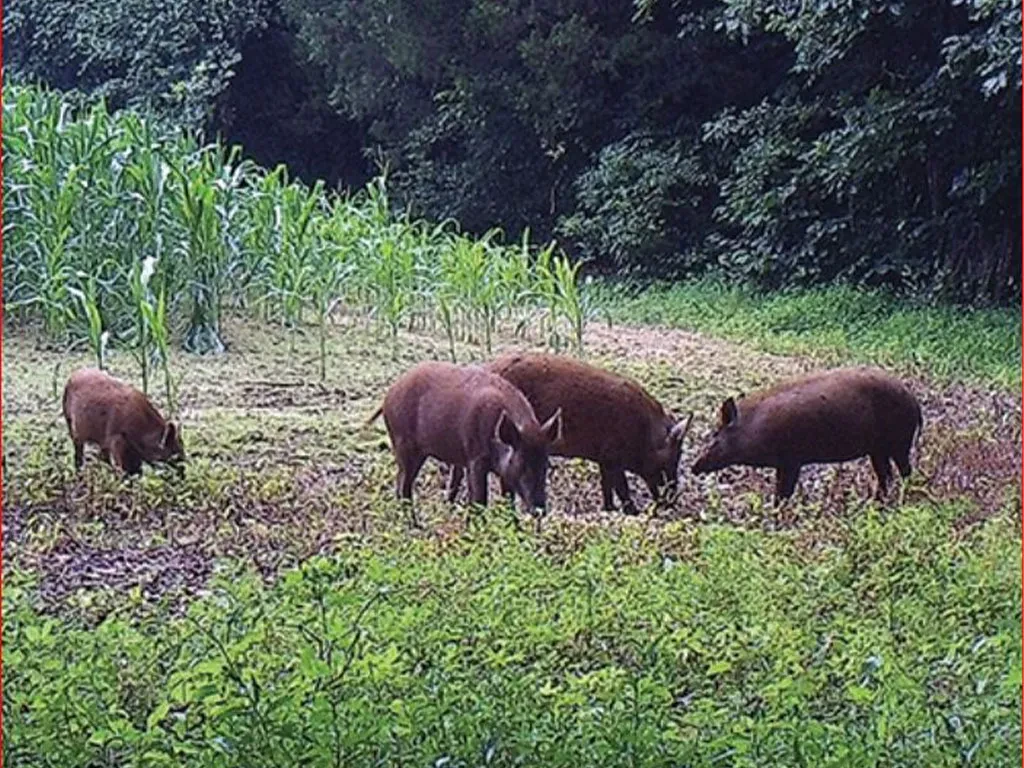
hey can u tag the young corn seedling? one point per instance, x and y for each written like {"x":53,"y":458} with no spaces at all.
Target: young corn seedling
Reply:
{"x":293,"y":267}
{"x":569,"y":303}
{"x":155,"y":314}
{"x":142,"y":328}
{"x":330,"y":270}
{"x":393,"y":278}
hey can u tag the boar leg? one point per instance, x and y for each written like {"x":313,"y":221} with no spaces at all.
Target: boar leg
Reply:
{"x":903,"y":462}
{"x":408,"y":467}
{"x":125,"y":456}
{"x":454,"y":482}
{"x":607,"y":485}
{"x":883,"y":470}
{"x":478,"y":482}
{"x":614,"y":479}
{"x":407,"y":476}
{"x":79,"y":454}
{"x":622,"y":491}
{"x":506,"y":491}
{"x":785,"y":482}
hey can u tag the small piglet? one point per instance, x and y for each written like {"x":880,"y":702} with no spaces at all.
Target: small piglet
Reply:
{"x":102,"y":410}
{"x":823,"y":418}
{"x":609,"y":419}
{"x":473,"y":420}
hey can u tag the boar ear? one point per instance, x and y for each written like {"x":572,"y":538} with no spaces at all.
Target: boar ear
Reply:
{"x":729,"y":412}
{"x":680,"y":429}
{"x":506,"y":430}
{"x":552,"y":428}
{"x":169,"y":436}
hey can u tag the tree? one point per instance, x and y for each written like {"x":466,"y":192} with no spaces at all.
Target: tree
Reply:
{"x":887,"y":156}
{"x":176,"y":58}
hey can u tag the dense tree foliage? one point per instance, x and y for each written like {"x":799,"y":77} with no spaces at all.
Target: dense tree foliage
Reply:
{"x":177,"y":58}
{"x":781,"y":142}
{"x":890,"y":153}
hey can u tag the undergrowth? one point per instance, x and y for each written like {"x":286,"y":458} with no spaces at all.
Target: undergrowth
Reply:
{"x":837,"y":324}
{"x":695,"y":646}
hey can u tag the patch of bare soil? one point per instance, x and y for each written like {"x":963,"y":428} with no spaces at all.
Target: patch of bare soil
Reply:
{"x":690,"y":351}
{"x":156,"y":572}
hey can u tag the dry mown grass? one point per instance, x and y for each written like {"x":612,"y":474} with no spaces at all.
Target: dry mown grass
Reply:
{"x":282,"y":467}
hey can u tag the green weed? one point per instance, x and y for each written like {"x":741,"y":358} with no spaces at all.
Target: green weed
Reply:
{"x":501,"y":649}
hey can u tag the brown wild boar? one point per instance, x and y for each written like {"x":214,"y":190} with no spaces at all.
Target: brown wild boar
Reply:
{"x":823,"y":418}
{"x":472,"y":419}
{"x":102,"y":410}
{"x":606,"y":418}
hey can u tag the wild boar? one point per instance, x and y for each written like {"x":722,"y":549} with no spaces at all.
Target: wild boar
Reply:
{"x":102,"y":410}
{"x":606,"y":418}
{"x":471,"y":419}
{"x":823,"y":418}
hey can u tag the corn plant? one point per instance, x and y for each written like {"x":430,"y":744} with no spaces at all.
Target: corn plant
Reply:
{"x":392,"y":275}
{"x":203,"y":250}
{"x":250,"y":272}
{"x":331,"y":266}
{"x":155,"y":316}
{"x":89,"y":304}
{"x":293,"y":265}
{"x":568,"y":302}
{"x":139,"y":276}
{"x":42,"y":194}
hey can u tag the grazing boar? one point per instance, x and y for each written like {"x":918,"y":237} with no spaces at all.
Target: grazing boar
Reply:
{"x":102,"y":410}
{"x":606,"y":418}
{"x":473,"y":420}
{"x":824,"y":418}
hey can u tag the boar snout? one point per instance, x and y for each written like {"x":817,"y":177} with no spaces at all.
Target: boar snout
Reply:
{"x":725,"y":444}
{"x":712,"y":460}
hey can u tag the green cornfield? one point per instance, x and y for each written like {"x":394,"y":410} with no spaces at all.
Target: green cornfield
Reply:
{"x":119,"y":231}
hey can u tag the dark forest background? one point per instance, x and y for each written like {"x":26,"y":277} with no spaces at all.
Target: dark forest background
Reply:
{"x":783,"y":143}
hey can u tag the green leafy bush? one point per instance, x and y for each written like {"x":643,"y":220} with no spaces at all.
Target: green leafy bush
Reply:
{"x":642,"y":201}
{"x":176,"y":59}
{"x":693,"y":646}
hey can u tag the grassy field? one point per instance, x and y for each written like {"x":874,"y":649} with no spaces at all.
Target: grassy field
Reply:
{"x":839,"y":324}
{"x":277,"y":607}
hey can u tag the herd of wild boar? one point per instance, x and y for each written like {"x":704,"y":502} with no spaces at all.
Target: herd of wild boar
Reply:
{"x":509,"y":416}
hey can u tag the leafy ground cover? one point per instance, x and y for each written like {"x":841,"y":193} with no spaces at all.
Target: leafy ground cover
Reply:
{"x":277,"y":607}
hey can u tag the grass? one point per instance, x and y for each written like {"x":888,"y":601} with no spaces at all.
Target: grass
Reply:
{"x":839,"y":324}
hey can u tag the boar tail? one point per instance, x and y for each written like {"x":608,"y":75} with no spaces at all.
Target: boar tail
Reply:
{"x":376,"y":415}
{"x":64,"y":407}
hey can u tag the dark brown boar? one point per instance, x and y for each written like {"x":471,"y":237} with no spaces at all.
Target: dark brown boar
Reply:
{"x":118,"y":418}
{"x":824,"y":418}
{"x":471,"y":419}
{"x":606,"y":418}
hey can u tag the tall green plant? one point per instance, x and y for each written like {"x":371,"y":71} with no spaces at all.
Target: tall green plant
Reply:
{"x":142,"y":329}
{"x":89,"y":304}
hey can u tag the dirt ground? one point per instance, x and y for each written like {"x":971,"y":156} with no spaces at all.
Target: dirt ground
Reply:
{"x":281,"y":465}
